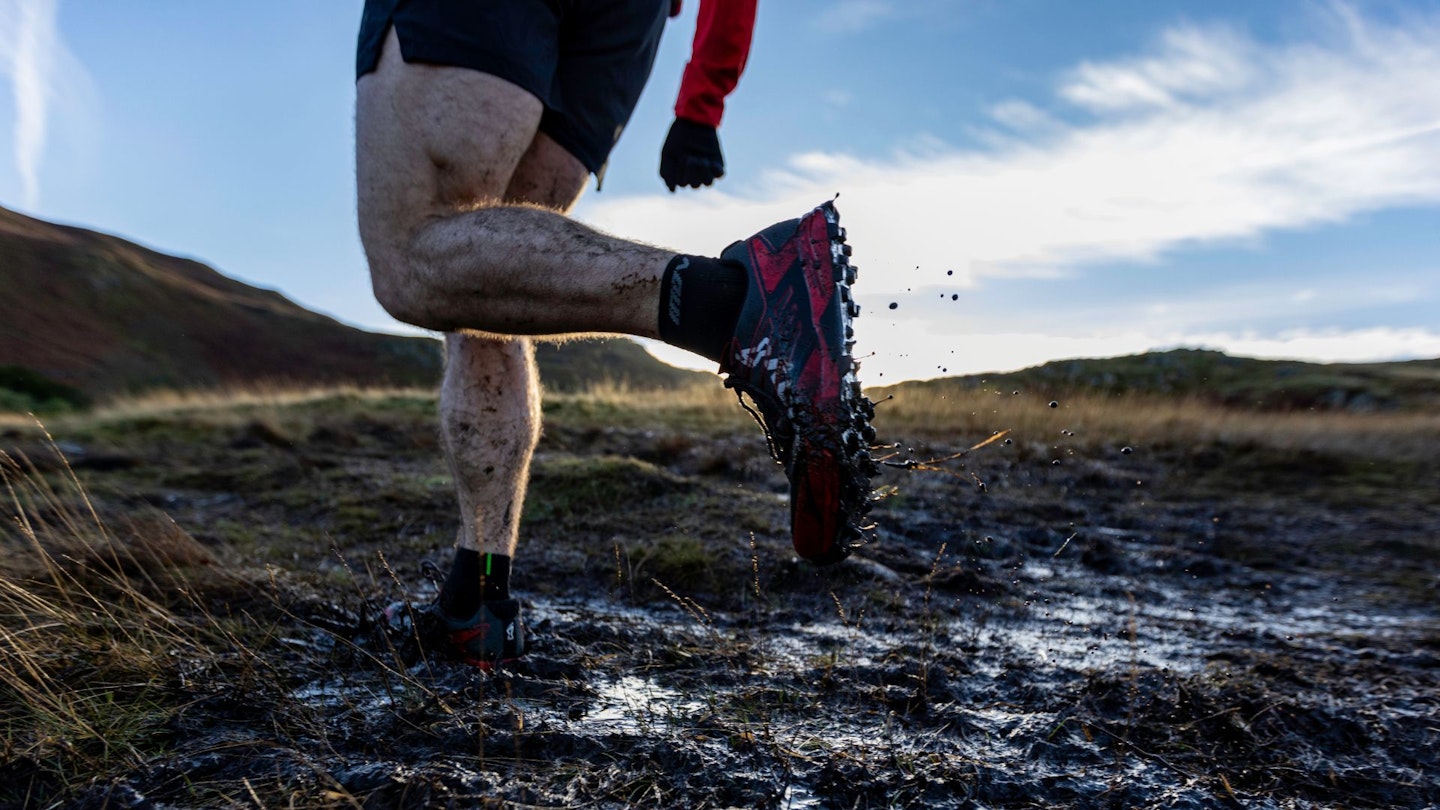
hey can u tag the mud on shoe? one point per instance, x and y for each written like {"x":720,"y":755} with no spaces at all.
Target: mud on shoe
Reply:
{"x":791,"y":354}
{"x":494,"y":635}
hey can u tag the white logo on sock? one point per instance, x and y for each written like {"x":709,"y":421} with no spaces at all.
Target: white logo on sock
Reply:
{"x":675,"y":291}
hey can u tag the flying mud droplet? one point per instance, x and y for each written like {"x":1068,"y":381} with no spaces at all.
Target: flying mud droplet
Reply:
{"x":1009,"y":442}
{"x":894,"y":305}
{"x":1127,"y":450}
{"x":955,"y":296}
{"x":1054,"y":404}
{"x":949,"y":272}
{"x":1055,"y":462}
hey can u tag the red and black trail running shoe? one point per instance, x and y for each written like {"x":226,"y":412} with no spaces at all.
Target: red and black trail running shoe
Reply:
{"x":493,"y":635}
{"x":791,"y":354}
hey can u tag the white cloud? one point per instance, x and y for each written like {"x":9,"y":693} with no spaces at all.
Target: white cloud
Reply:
{"x":986,"y":351}
{"x":980,"y":352}
{"x":1024,"y":117}
{"x":41,"y":71}
{"x":1190,"y":64}
{"x":1209,"y":138}
{"x":851,"y":16}
{"x":1329,"y":133}
{"x":1267,"y":304}
{"x":1328,"y":345}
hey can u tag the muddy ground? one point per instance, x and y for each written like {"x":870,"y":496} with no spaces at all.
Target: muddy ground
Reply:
{"x":1066,"y":621}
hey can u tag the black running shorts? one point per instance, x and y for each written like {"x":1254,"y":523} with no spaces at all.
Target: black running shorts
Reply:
{"x":586,"y":60}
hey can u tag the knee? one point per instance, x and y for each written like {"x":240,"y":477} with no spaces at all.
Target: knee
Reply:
{"x":398,"y":271}
{"x":413,"y":276}
{"x":398,"y":280}
{"x":388,"y":280}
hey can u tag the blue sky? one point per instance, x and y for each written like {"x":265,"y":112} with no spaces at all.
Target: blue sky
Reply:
{"x":1025,"y":180}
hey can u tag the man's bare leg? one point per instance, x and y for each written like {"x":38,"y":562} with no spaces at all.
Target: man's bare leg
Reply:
{"x":461,"y":211}
{"x":461,"y":205}
{"x":436,"y":150}
{"x":490,"y":398}
{"x":490,"y":422}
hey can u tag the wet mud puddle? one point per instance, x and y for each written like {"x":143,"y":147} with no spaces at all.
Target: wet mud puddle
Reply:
{"x":1083,"y":689}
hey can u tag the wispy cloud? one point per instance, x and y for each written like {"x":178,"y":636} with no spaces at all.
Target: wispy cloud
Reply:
{"x":1190,"y":65}
{"x":850,"y":16}
{"x":1209,"y":137}
{"x":39,"y":68}
{"x":1289,"y":137}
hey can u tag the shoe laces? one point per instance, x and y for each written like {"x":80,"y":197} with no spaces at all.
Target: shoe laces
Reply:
{"x":765,"y":410}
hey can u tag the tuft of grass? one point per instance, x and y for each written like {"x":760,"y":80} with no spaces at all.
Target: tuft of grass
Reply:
{"x":574,"y":486}
{"x":683,"y":563}
{"x":90,"y":640}
{"x":23,"y":390}
{"x":107,"y":642}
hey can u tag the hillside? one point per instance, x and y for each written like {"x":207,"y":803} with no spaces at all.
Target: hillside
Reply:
{"x":1220,"y":379}
{"x":86,"y":316}
{"x":105,"y":316}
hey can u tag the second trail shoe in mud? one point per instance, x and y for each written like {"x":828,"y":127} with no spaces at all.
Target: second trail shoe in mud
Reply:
{"x":494,"y":635}
{"x":791,"y":354}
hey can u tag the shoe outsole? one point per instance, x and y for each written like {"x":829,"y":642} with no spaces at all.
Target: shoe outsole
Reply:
{"x":856,"y":435}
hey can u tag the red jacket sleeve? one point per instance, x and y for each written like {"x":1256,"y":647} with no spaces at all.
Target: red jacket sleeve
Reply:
{"x":722,"y":44}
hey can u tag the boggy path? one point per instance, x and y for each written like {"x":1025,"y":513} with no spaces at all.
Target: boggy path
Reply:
{"x":1161,"y":628}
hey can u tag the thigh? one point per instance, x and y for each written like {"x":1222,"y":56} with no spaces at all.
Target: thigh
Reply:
{"x":433,"y":139}
{"x":548,"y":175}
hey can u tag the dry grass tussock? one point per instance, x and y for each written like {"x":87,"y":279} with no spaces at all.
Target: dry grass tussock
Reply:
{"x":110,"y":629}
{"x":1097,"y":421}
{"x":99,"y":628}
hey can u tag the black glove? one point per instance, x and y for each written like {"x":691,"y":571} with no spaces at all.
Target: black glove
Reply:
{"x":691,"y":155}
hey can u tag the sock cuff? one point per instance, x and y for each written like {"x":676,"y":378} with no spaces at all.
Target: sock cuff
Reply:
{"x":474,"y":578}
{"x":700,"y":299}
{"x":494,"y":577}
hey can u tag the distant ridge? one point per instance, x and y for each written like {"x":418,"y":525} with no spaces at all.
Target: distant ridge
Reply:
{"x":86,"y":316}
{"x":106,"y":316}
{"x":1221,"y":379}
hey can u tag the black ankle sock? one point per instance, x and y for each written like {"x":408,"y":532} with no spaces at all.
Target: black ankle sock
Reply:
{"x":700,"y":300}
{"x":474,"y":578}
